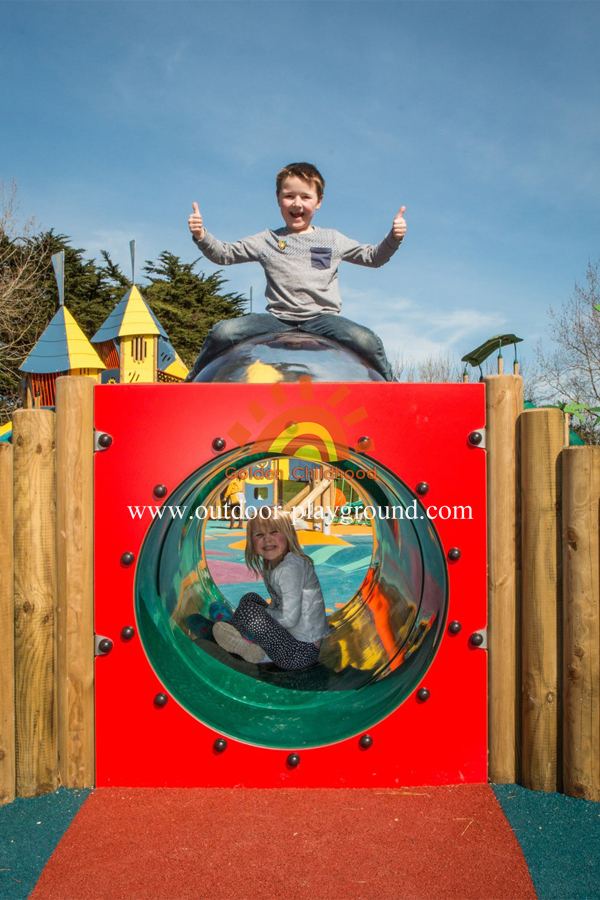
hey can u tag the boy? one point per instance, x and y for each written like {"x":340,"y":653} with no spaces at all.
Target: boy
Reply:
{"x":300,"y":263}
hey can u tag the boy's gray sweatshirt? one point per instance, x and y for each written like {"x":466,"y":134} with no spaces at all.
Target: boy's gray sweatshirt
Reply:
{"x":301,"y":269}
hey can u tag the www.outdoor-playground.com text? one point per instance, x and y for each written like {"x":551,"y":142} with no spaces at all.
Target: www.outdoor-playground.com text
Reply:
{"x":345,"y":515}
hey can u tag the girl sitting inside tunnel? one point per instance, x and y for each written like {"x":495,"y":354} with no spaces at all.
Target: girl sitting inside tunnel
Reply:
{"x":289,"y":631}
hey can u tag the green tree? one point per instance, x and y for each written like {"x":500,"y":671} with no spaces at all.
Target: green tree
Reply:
{"x":188,"y":303}
{"x":29,"y":297}
{"x":90,"y":292}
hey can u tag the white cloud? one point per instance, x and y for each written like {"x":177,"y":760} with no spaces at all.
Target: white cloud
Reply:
{"x":409,"y":331}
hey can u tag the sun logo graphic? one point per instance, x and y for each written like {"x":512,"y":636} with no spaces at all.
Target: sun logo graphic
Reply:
{"x":307,"y":430}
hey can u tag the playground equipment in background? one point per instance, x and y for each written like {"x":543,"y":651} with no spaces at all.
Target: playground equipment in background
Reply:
{"x":135,"y":346}
{"x":62,"y":349}
{"x":133,"y":343}
{"x":273,"y":484}
{"x":130,"y":347}
{"x":479,"y":355}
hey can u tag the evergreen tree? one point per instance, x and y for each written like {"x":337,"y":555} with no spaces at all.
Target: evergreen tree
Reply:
{"x":188,"y":303}
{"x":90,"y":295}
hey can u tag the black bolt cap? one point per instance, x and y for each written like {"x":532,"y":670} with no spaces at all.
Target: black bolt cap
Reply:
{"x":475,"y":438}
{"x":293,"y":760}
{"x":105,"y":645}
{"x":364,"y":443}
{"x":423,"y":695}
{"x":161,"y":700}
{"x":220,"y":745}
{"x":105,"y":440}
{"x":160,"y":491}
{"x":422,"y":488}
{"x":366,"y":741}
{"x":127,"y":558}
{"x":218,"y":443}
{"x":454,"y":554}
{"x":476,"y":639}
{"x":127,"y":633}
{"x":454,"y":627}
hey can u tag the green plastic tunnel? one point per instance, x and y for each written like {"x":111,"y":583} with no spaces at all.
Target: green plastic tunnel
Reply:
{"x":382,"y":640}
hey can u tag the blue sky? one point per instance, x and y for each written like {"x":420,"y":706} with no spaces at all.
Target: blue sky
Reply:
{"x":483,"y":118}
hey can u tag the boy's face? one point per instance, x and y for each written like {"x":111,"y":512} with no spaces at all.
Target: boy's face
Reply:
{"x":298,"y":201}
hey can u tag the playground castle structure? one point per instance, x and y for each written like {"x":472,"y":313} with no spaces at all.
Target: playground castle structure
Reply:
{"x":63,"y":720}
{"x":131,"y":347}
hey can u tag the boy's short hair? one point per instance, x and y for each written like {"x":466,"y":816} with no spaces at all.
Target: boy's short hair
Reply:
{"x":305,"y":171}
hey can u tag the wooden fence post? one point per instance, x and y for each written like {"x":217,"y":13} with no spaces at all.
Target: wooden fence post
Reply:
{"x":542,"y":436}
{"x":504,"y":405}
{"x":7,"y":628}
{"x":75,"y":549}
{"x":35,"y":601}
{"x":581,"y":639}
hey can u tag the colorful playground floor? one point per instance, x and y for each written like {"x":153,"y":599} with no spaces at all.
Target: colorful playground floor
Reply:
{"x":470,"y":841}
{"x":341,"y":562}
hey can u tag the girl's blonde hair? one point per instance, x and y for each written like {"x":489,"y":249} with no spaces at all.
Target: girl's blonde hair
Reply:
{"x":277,"y":520}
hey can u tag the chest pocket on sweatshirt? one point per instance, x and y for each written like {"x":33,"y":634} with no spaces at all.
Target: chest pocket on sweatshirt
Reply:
{"x":320,"y":257}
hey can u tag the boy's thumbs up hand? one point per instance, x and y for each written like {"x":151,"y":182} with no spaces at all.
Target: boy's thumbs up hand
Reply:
{"x":195,"y":223}
{"x":399,"y":225}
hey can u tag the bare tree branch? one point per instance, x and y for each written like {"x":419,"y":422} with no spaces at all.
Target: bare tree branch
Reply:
{"x":569,"y":372}
{"x":24,"y":261}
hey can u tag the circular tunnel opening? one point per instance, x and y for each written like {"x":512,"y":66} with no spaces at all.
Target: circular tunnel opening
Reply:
{"x":385,"y":627}
{"x":330,"y":522}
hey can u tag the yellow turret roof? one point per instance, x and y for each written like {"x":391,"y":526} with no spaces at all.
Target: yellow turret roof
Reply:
{"x":131,"y":317}
{"x":63,"y":346}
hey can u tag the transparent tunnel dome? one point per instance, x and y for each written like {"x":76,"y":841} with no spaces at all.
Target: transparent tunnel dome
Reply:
{"x":285,"y":357}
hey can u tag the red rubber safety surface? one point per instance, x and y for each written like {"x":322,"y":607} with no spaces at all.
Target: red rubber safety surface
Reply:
{"x":430,"y":843}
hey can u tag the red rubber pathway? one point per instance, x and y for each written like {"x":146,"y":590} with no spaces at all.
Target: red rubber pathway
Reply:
{"x":432,"y":843}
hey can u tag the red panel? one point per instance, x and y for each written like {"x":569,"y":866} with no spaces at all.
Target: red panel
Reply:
{"x":161,"y":433}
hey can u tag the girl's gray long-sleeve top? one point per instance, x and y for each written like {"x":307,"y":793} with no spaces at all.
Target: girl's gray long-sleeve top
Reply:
{"x":296,"y":598}
{"x":301,"y":269}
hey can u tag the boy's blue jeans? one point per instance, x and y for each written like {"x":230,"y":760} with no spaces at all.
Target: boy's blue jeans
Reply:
{"x":229,"y":332}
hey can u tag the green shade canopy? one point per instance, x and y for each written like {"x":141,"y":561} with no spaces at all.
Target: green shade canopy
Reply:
{"x":481,"y":353}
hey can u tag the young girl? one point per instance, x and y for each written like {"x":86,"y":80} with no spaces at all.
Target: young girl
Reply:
{"x":289,"y":631}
